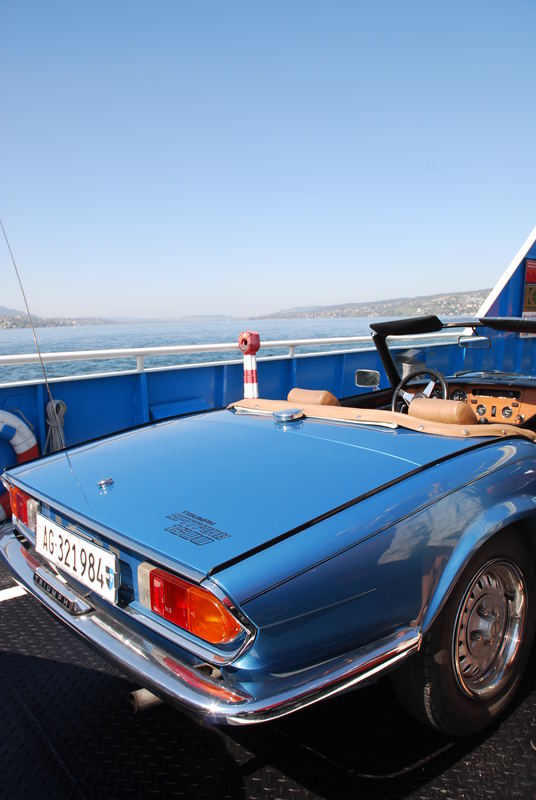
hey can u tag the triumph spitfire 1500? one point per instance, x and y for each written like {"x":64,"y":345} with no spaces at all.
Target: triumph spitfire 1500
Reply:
{"x":247,"y":562}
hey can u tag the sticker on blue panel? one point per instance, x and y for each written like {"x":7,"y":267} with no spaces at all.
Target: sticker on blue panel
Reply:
{"x":195,"y":529}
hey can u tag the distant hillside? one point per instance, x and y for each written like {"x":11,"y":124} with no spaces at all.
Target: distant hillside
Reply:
{"x":10,"y":318}
{"x":448,"y":304}
{"x":457,"y":304}
{"x":9,"y":312}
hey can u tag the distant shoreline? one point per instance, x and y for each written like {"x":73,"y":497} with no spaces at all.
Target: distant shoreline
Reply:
{"x":452,"y":304}
{"x":445,"y":304}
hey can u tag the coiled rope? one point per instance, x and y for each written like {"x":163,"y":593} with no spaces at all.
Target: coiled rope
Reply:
{"x":56,"y":410}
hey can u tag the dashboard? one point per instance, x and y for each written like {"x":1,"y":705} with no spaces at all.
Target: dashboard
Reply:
{"x":492,"y":403}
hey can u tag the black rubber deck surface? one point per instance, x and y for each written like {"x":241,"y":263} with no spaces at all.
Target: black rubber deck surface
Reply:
{"x":67,"y":732}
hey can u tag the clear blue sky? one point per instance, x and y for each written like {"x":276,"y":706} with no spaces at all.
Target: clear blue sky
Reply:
{"x":166,"y":157}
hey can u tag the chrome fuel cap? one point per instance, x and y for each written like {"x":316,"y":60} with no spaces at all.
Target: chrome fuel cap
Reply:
{"x":288,"y":415}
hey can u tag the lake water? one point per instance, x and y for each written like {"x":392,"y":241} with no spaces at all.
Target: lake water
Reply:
{"x":158,"y":334}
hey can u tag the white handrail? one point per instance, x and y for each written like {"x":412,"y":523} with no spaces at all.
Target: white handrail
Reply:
{"x":140,"y":353}
{"x":179,"y":349}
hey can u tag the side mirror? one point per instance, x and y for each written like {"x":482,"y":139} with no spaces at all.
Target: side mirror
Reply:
{"x":367,"y":378}
{"x":474,"y":342}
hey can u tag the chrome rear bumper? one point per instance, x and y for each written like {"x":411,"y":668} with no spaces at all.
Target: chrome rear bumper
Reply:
{"x":181,"y":683}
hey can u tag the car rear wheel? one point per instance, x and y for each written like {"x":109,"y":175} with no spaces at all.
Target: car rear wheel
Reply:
{"x":472,"y":660}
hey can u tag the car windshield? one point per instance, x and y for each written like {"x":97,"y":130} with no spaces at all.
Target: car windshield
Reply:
{"x":465,"y":349}
{"x":479,"y":373}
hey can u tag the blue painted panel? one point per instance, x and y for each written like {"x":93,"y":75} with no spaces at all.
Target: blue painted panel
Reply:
{"x":194,"y":389}
{"x":99,"y":406}
{"x":7,"y":457}
{"x":385,"y":581}
{"x":274,"y":378}
{"x":336,"y":372}
{"x":334,"y":535}
{"x":509,"y":303}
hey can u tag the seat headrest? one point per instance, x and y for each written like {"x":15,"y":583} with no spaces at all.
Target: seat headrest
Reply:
{"x":319,"y":397}
{"x":451,"y":412}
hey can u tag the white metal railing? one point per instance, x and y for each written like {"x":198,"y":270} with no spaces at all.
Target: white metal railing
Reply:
{"x":141,"y":353}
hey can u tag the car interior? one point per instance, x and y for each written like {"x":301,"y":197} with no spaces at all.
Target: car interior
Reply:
{"x":489,"y":403}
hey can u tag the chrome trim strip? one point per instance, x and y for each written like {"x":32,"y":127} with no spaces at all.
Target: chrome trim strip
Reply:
{"x":151,"y":666}
{"x":377,"y":658}
{"x":206,"y":652}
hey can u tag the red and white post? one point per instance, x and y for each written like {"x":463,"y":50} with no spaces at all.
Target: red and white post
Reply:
{"x":249,"y":343}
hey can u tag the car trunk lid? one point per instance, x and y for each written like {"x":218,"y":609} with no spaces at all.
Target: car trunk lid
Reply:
{"x":206,"y":489}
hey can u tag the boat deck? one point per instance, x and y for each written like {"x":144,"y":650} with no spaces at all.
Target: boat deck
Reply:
{"x":68,"y":732}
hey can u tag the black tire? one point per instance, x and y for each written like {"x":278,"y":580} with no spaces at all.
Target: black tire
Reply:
{"x":471,"y":661}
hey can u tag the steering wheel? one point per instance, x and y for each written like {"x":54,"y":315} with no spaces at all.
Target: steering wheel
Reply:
{"x":400,"y":395}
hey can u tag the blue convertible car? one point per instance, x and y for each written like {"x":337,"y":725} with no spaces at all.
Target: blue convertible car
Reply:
{"x":248,"y":562}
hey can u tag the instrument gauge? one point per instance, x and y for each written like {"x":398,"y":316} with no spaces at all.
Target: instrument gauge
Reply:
{"x":507,"y":412}
{"x":481,"y":409}
{"x":458,"y":394}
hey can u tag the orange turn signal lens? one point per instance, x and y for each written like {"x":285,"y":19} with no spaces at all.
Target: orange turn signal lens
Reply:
{"x":192,"y":608}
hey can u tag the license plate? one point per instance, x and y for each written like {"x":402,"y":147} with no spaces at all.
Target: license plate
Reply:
{"x":91,"y":565}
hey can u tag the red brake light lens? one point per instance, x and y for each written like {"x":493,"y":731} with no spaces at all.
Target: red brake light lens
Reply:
{"x":169,"y":597}
{"x":19,"y":504}
{"x":192,"y":608}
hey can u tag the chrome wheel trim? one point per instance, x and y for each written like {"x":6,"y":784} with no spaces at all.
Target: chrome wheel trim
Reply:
{"x":490,"y":623}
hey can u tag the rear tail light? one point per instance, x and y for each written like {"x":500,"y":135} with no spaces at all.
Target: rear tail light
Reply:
{"x":23,"y":507}
{"x":188,"y":606}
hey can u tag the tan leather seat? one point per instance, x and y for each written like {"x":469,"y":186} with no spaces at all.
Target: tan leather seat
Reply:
{"x":452,"y":412}
{"x":320,"y":397}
